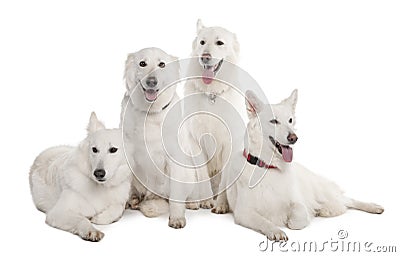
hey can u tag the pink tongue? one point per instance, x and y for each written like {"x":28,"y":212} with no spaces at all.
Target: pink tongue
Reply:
{"x":208,"y":75}
{"x":151,"y":95}
{"x":287,"y":154}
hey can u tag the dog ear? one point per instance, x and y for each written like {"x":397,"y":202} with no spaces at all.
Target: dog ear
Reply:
{"x":94,"y":124}
{"x":253,"y":104}
{"x":199,"y":25}
{"x":291,"y":100}
{"x":129,"y":74}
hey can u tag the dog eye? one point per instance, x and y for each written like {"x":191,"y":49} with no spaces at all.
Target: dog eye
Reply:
{"x":274,"y":121}
{"x":161,"y":64}
{"x":142,"y":64}
{"x":219,"y":43}
{"x":113,"y":150}
{"x":95,"y":150}
{"x":290,"y":120}
{"x":202,"y":42}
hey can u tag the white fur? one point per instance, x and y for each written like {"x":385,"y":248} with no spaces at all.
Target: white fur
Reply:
{"x":289,"y":195}
{"x":217,"y":150}
{"x":63,"y":184}
{"x":142,"y":123}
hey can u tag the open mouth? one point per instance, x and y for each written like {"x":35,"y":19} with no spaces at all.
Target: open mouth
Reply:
{"x":149,"y":93}
{"x":210,"y":71}
{"x":101,"y":180}
{"x":285,"y":150}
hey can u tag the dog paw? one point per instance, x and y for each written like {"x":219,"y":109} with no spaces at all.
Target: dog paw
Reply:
{"x":207,"y":204}
{"x":177,"y":222}
{"x":277,"y":235}
{"x":220,"y":209}
{"x":192,"y":206}
{"x":377,"y":208}
{"x":133,"y":204}
{"x":93,"y":236}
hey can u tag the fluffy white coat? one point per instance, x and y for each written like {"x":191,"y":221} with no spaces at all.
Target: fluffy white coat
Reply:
{"x":64,"y":185}
{"x":289,"y":194}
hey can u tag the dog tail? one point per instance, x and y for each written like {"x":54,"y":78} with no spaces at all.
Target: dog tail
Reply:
{"x":154,"y":207}
{"x":363,"y":206}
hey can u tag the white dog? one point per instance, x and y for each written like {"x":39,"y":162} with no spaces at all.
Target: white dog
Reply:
{"x":77,"y":186}
{"x":289,"y":194}
{"x":150,"y":76}
{"x":215,"y":50}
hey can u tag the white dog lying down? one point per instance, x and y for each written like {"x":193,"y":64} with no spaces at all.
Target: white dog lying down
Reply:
{"x":150,"y":76}
{"x":289,"y":194}
{"x":75,"y":186}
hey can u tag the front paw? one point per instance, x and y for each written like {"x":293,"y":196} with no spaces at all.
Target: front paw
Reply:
{"x":192,"y":205}
{"x":277,"y":235}
{"x":133,"y":204}
{"x":177,"y":222}
{"x":92,"y":235}
{"x":220,"y":209}
{"x":207,"y":204}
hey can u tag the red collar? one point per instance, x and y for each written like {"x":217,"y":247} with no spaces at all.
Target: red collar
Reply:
{"x":256,"y":161}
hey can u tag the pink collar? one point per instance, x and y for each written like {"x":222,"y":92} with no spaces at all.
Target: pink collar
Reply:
{"x":256,"y":161}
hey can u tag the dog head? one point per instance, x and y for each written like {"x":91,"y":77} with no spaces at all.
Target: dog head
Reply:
{"x":149,"y":74}
{"x":212,"y":46}
{"x":276,"y":127}
{"x":105,"y":153}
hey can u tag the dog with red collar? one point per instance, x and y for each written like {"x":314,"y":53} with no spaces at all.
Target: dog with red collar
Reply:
{"x":287,"y":194}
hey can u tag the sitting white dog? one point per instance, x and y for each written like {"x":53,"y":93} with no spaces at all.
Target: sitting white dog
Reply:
{"x":289,"y":194}
{"x":149,"y":104}
{"x":78,"y":186}
{"x":213,"y":98}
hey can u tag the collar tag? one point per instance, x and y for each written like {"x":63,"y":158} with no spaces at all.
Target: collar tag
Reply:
{"x":212,"y":97}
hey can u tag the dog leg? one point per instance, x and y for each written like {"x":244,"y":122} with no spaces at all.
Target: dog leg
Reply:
{"x":180,"y":189}
{"x":64,"y":219}
{"x":251,"y":219}
{"x":112,"y":214}
{"x":222,"y":205}
{"x":362,"y":206}
{"x":204,"y":188}
{"x":176,"y":215}
{"x":298,"y":216}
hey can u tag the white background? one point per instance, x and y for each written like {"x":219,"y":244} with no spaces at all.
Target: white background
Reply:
{"x":59,"y":61}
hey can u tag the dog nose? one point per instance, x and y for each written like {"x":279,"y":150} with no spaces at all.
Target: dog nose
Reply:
{"x":206,"y":57}
{"x":292,"y":138}
{"x":99,"y":173}
{"x":151,"y":81}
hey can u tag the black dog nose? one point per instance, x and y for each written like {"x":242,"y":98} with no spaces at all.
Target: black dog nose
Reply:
{"x":99,"y":173}
{"x":206,"y":57}
{"x":151,"y":81}
{"x":292,"y":138}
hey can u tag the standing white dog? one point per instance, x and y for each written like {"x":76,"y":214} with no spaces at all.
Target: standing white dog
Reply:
{"x":150,"y":96}
{"x":289,"y":194}
{"x":78,"y":186}
{"x":215,"y":50}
